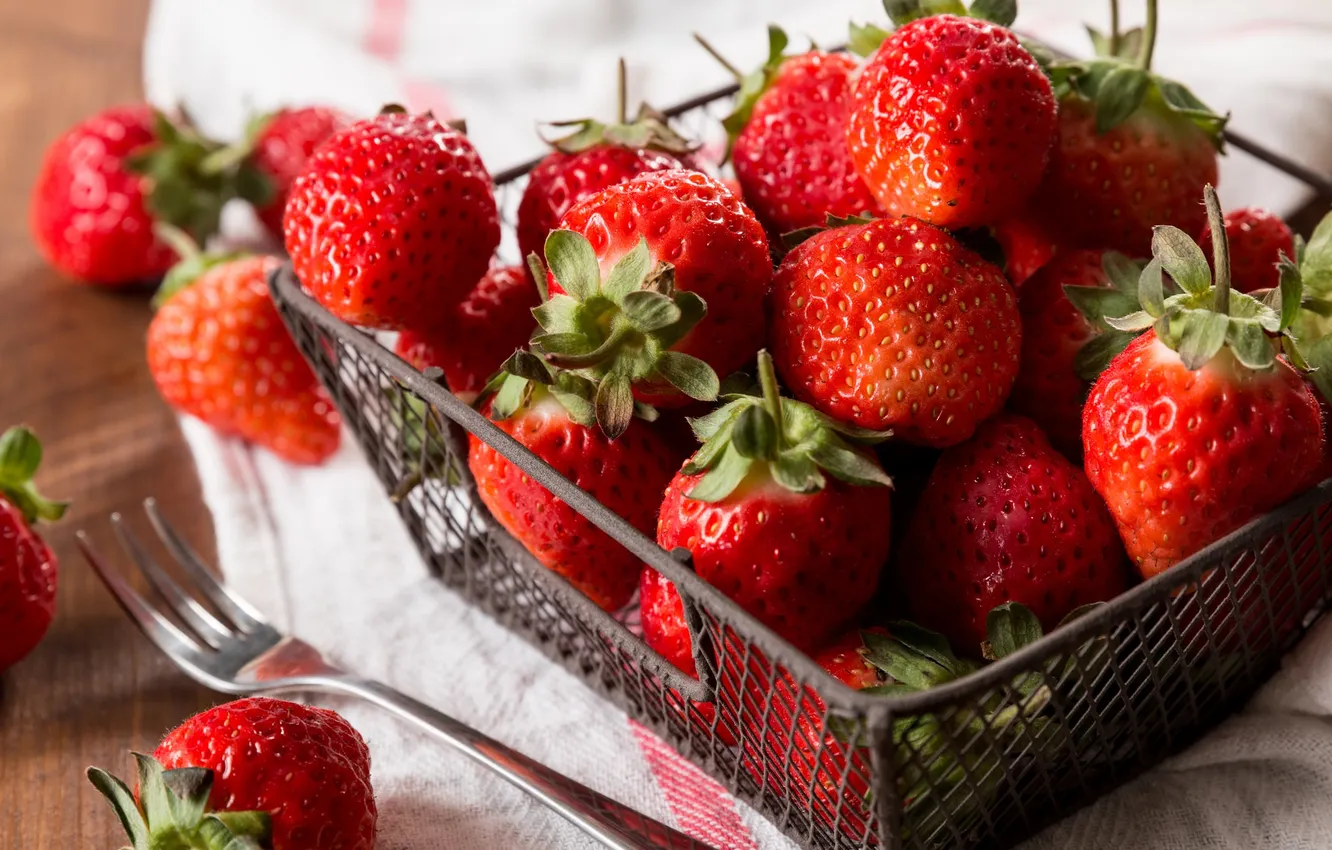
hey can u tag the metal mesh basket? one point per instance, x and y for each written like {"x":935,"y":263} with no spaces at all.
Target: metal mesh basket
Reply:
{"x":985,"y":760}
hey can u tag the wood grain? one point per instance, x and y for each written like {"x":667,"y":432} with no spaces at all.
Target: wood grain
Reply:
{"x":72,"y":367}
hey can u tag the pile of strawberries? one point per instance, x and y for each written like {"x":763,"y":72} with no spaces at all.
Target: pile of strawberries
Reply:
{"x":1001,"y":277}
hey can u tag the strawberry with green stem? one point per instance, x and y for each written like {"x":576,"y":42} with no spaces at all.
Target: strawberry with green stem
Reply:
{"x":1198,"y":426}
{"x":1134,"y":149}
{"x":28,"y":568}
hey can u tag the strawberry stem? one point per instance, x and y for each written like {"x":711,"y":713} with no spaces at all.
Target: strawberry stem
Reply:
{"x":1220,"y":251}
{"x":1114,"y":27}
{"x":177,"y":240}
{"x":722,"y":60}
{"x":622,"y":93}
{"x":1148,"y":37}
{"x":772,"y":394}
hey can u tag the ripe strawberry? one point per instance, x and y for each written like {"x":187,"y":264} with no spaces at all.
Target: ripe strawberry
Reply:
{"x":472,"y":343}
{"x":551,"y":414}
{"x":951,"y":120}
{"x":1258,"y":239}
{"x":281,"y":146}
{"x":788,"y":138}
{"x":893,"y":324}
{"x":633,"y":271}
{"x":392,"y":222}
{"x":662,"y":615}
{"x":28,"y":569}
{"x":1134,"y":150}
{"x":1028,"y":245}
{"x":219,"y":351}
{"x":1059,"y":359}
{"x":1198,"y":427}
{"x":289,"y":777}
{"x":761,"y":468}
{"x":1005,"y":518}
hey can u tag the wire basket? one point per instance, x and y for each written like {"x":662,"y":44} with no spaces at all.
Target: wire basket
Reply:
{"x":985,"y":760}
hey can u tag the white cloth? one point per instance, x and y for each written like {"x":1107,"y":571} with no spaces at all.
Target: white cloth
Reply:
{"x":320,"y":551}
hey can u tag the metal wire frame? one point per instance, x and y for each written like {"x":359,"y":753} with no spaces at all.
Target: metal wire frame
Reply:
{"x":987,"y":759}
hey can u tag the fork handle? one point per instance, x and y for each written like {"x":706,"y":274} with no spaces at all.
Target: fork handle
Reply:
{"x":615,"y":825}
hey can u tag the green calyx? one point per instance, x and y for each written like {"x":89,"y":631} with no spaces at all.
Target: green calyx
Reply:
{"x":191,"y":177}
{"x":1097,"y":303}
{"x":753,"y":84}
{"x":1310,"y":273}
{"x":192,"y":264}
{"x":617,"y":333}
{"x":865,"y":39}
{"x":649,"y":130}
{"x":526,"y":376}
{"x":1196,"y":315}
{"x":796,"y":442}
{"x":171,"y":812}
{"x":20,"y":455}
{"x":1119,"y":80}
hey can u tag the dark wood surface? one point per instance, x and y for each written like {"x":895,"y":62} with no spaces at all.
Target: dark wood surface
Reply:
{"x":72,"y":367}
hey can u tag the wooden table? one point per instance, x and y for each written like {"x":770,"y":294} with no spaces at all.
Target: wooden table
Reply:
{"x":72,"y":367}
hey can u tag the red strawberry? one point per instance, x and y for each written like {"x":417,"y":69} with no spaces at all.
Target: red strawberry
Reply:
{"x":219,"y":351}
{"x":300,"y":773}
{"x":951,"y":121}
{"x":788,"y":138}
{"x":633,"y":270}
{"x":282,"y":146}
{"x":546,"y":414}
{"x":27,"y":567}
{"x":663,"y":619}
{"x":1005,"y":518}
{"x":1198,"y":427}
{"x":392,"y":222}
{"x":1258,"y":239}
{"x":1028,"y":246}
{"x":893,"y":324}
{"x":1058,"y":363}
{"x":756,"y":473}
{"x":493,"y":321}
{"x":1133,"y":151}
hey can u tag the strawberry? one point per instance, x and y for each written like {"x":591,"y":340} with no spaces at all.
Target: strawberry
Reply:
{"x":481,"y":333}
{"x":1198,"y":427}
{"x":892,"y":324}
{"x":105,"y":181}
{"x":1059,"y":359}
{"x":634,"y":270}
{"x":762,"y":467}
{"x":281,"y":145}
{"x":954,"y":148}
{"x":392,"y":222}
{"x":551,"y":414}
{"x":219,"y":351}
{"x":662,"y":615}
{"x":788,"y":134}
{"x":28,"y":569}
{"x":1134,"y":150}
{"x":1258,"y":240}
{"x":1005,"y":518}
{"x":1028,"y":246}
{"x":250,"y":773}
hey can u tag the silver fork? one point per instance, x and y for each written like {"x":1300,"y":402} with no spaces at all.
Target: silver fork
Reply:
{"x":241,"y":653}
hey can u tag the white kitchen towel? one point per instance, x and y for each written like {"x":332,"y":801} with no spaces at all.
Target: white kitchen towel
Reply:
{"x":322,"y":553}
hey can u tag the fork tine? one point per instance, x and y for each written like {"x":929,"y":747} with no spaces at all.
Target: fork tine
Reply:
{"x":235,"y":609}
{"x":158,"y":629}
{"x":194,"y":615}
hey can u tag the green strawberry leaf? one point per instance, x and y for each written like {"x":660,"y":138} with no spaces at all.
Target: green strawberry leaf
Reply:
{"x":123,"y":803}
{"x":689,"y":375}
{"x":1096,"y":354}
{"x":629,"y":273}
{"x":1315,"y":259}
{"x":928,"y":644}
{"x":1098,"y":304}
{"x":864,"y":39}
{"x":1182,"y":259}
{"x":1249,"y":343}
{"x":797,"y":473}
{"x":722,"y":479}
{"x":1010,"y":627}
{"x":1001,"y":12}
{"x":187,"y":793}
{"x":512,"y":395}
{"x":755,"y":434}
{"x":1288,"y":297}
{"x":20,"y":456}
{"x":650,"y":311}
{"x":1200,"y":335}
{"x":615,"y":404}
{"x":903,"y":12}
{"x":574,"y":263}
{"x":1151,"y":291}
{"x":847,"y":465}
{"x":1318,"y":355}
{"x":1133,"y":323}
{"x":1119,"y":94}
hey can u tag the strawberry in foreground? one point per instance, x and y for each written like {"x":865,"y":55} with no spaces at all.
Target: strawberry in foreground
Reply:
{"x":655,"y":285}
{"x":105,"y":181}
{"x":1065,"y":339}
{"x":472,"y":343}
{"x":552,"y":414}
{"x":594,"y":157}
{"x":28,"y":568}
{"x":219,"y":351}
{"x":392,"y":222}
{"x":1006,"y":518}
{"x":282,"y":143}
{"x":788,"y":137}
{"x":1258,"y":240}
{"x":1198,"y":426}
{"x":893,"y":324}
{"x":780,"y":513}
{"x":252,"y":773}
{"x":1134,"y":150}
{"x":955,"y":149}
